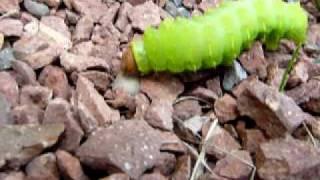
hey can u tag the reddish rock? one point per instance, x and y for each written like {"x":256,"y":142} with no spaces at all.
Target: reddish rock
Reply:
{"x":254,"y":62}
{"x":187,"y":109}
{"x":251,"y":139}
{"x":226,"y":108}
{"x":35,"y":95}
{"x":220,"y":143}
{"x":233,"y":168}
{"x":314,"y":34}
{"x":110,"y":15}
{"x":183,"y":168}
{"x":288,"y":158}
{"x":117,"y":176}
{"x":204,"y":93}
{"x":26,"y":114}
{"x":215,"y":86}
{"x":272,"y":111}
{"x":11,"y":27}
{"x":123,"y":20}
{"x":43,"y":167}
{"x":274,"y":75}
{"x":119,"y":99}
{"x":83,"y":29}
{"x":142,"y":104}
{"x":14,"y":175}
{"x":237,"y":91}
{"x":165,"y":164}
{"x":299,"y":74}
{"x":172,"y":143}
{"x":9,"y":88}
{"x":25,"y":74}
{"x":128,"y":146}
{"x":189,"y":3}
{"x":101,"y":80}
{"x":59,"y":110}
{"x":102,"y":34}
{"x":83,"y":48}
{"x":92,"y":108}
{"x":92,"y":8}
{"x":108,"y":51}
{"x":159,"y":115}
{"x":153,"y":176}
{"x":144,"y":15}
{"x":9,"y":6}
{"x":56,"y":79}
{"x":69,"y":166}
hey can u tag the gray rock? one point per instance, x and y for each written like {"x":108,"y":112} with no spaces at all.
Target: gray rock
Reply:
{"x":233,"y":76}
{"x":183,"y":12}
{"x":177,"y":2}
{"x":36,"y":8}
{"x":4,"y":109}
{"x":171,"y":8}
{"x":6,"y":58}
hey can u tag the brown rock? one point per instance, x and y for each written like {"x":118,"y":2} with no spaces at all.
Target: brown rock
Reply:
{"x":9,"y":6}
{"x":226,"y":108}
{"x":272,"y":111}
{"x":14,"y":175}
{"x":254,"y":62}
{"x":233,"y":168}
{"x":110,"y":15}
{"x":153,"y":176}
{"x":144,"y":15}
{"x":9,"y":88}
{"x":102,"y":34}
{"x":299,"y":74}
{"x":91,"y":8}
{"x":314,"y":34}
{"x":83,"y":29}
{"x":220,"y":143}
{"x":20,"y":143}
{"x":55,"y":78}
{"x":11,"y":27}
{"x":187,"y":109}
{"x":128,"y":146}
{"x":142,"y":104}
{"x":288,"y":158}
{"x":237,"y":91}
{"x":123,"y":19}
{"x":1,"y":40}
{"x":107,"y":51}
{"x":117,"y":176}
{"x":91,"y":106}
{"x":25,"y":74}
{"x":43,"y":167}
{"x":72,"y":62}
{"x":70,"y":166}
{"x":165,"y":164}
{"x":120,"y":99}
{"x":83,"y":48}
{"x":26,"y":114}
{"x":189,"y":3}
{"x":101,"y":80}
{"x":59,"y":110}
{"x":172,"y":143}
{"x":215,"y":86}
{"x":274,"y":75}
{"x":204,"y":93}
{"x":35,"y":95}
{"x":251,"y":139}
{"x":183,"y":168}
{"x":159,"y":115}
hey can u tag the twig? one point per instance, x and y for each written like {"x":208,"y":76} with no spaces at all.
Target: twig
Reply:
{"x":184,"y":98}
{"x":310,"y":135}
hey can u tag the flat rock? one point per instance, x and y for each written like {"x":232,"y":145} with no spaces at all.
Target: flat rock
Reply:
{"x":69,"y":166}
{"x":93,"y":110}
{"x":9,"y":6}
{"x":36,"y":8}
{"x":26,"y":114}
{"x":35,"y":95}
{"x":59,"y":111}
{"x":159,"y":115}
{"x":9,"y":88}
{"x":43,"y":167}
{"x":11,"y":27}
{"x":83,"y":29}
{"x":92,"y":8}
{"x":56,"y":79}
{"x":272,"y":111}
{"x":101,"y":80}
{"x":144,"y":15}
{"x":287,"y":158}
{"x":187,"y":109}
{"x":233,"y":76}
{"x":129,"y":146}
{"x":25,"y":74}
{"x":226,"y":108}
{"x":23,"y":142}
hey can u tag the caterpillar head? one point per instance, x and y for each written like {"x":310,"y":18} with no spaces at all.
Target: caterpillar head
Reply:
{"x":128,"y":63}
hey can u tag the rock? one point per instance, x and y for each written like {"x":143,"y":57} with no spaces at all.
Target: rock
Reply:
{"x":274,"y":75}
{"x":128,"y":84}
{"x":72,"y":62}
{"x":142,"y":103}
{"x":83,"y":29}
{"x":187,"y":109}
{"x":9,"y":88}
{"x":59,"y":111}
{"x":171,"y":8}
{"x":183,"y":168}
{"x":189,"y":3}
{"x":220,"y":143}
{"x":254,"y":62}
{"x":4,"y":110}
{"x":183,"y":12}
{"x":144,"y":15}
{"x":92,"y":108}
{"x":215,"y":86}
{"x":36,"y":8}
{"x":91,"y":8}
{"x":233,"y":76}
{"x":72,"y":17}
{"x":31,"y":28}
{"x":129,"y":146}
{"x":159,"y":115}
{"x":1,"y":40}
{"x":35,"y":95}
{"x":162,"y":87}
{"x":299,"y":74}
{"x":102,"y":34}
{"x":314,"y":35}
{"x":195,"y":124}
{"x":165,"y":164}
{"x":172,"y":143}
{"x":177,"y":2}
{"x":117,"y":176}
{"x":43,"y":167}
{"x":226,"y":108}
{"x":101,"y":80}
{"x":23,"y":142}
{"x":123,"y":20}
{"x":208,"y":4}
{"x":83,"y":48}
{"x":237,"y":91}
{"x":287,"y":158}
{"x":25,"y":74}
{"x":56,"y":79}
{"x":11,"y":27}
{"x":119,"y":99}
{"x":204,"y":93}
{"x":136,"y":2}
{"x":51,"y":3}
{"x":233,"y":168}
{"x":251,"y":139}
{"x":9,"y":6}
{"x":13,"y":175}
{"x":272,"y":111}
{"x":153,"y":176}
{"x":6,"y":58}
{"x":70,"y":166}
{"x":110,"y":15}
{"x":26,"y":114}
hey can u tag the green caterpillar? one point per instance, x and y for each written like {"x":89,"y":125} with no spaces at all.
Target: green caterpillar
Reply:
{"x":217,"y":37}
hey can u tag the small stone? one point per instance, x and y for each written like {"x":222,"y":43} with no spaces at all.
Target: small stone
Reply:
{"x":120,"y":99}
{"x":14,"y":175}
{"x":165,"y":164}
{"x":129,"y":146}
{"x":233,"y":76}
{"x":51,"y":3}
{"x":183,"y":168}
{"x":21,"y":143}
{"x":26,"y":114}
{"x":288,"y":158}
{"x":123,"y":13}
{"x":6,"y":58}
{"x":137,"y":2}
{"x":226,"y":109}
{"x":215,"y":86}
{"x":31,"y":28}
{"x":172,"y":143}
{"x":171,"y":8}
{"x":117,"y":176}
{"x":251,"y":139}
{"x":110,"y":15}
{"x":208,"y":4}
{"x":1,"y":40}
{"x":91,"y":8}
{"x":195,"y":124}
{"x":70,"y":166}
{"x":11,"y":27}
{"x":9,"y":88}
{"x":187,"y":109}
{"x":159,"y":115}
{"x":237,"y":91}
{"x":72,"y":17}
{"x":153,"y":176}
{"x":36,"y":8}
{"x":128,"y":84}
{"x":274,"y":75}
{"x":56,"y":79}
{"x":101,"y":80}
{"x":83,"y":29}
{"x":35,"y":95}
{"x":4,"y":110}
{"x":204,"y":93}
{"x":183,"y":12}
{"x":43,"y":167}
{"x":144,"y":15}
{"x":299,"y":74}
{"x":25,"y":74}
{"x":9,"y":6}
{"x":189,"y":3}
{"x":142,"y":104}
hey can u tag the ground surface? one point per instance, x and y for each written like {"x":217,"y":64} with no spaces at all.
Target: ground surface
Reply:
{"x":66,"y":111}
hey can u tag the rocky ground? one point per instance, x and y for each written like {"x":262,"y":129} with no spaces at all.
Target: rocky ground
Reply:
{"x":67,"y":112}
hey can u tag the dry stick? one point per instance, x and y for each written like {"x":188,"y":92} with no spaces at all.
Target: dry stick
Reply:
{"x":310,"y":135}
{"x":184,"y":98}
